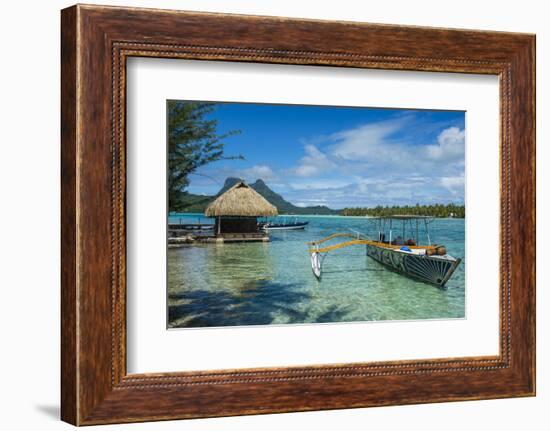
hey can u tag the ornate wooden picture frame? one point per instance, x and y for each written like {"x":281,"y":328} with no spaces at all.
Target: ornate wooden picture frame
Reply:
{"x":96,"y":41}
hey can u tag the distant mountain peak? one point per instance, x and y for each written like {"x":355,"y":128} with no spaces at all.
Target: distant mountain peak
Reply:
{"x":229,"y":182}
{"x":198,"y":203}
{"x":283,"y":206}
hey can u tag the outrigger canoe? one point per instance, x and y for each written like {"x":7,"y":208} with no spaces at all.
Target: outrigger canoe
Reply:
{"x":427,"y":263}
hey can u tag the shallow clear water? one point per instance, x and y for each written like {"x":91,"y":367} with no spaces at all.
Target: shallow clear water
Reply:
{"x":272,"y":283}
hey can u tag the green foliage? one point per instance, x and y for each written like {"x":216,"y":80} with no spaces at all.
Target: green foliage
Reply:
{"x":436,"y":210}
{"x":193,"y":142}
{"x":194,"y":203}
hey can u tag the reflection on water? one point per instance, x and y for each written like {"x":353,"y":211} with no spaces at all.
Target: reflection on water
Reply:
{"x":272,"y":283}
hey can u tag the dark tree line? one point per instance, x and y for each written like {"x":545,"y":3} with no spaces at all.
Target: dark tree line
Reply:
{"x":436,"y":210}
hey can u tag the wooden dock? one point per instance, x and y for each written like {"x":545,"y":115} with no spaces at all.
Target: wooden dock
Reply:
{"x":191,"y":227}
{"x":180,"y":238}
{"x":241,"y":237}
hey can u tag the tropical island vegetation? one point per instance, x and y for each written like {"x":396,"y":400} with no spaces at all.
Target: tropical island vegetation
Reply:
{"x":434,"y":210}
{"x":193,"y":142}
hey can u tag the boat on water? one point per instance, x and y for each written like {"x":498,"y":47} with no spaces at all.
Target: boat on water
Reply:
{"x":295,"y":225}
{"x":397,"y":247}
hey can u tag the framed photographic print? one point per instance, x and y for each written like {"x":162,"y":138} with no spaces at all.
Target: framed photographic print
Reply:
{"x":268,"y":215}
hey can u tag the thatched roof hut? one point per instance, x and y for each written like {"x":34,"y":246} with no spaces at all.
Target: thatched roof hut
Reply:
{"x":236,"y":212}
{"x":240,"y":201}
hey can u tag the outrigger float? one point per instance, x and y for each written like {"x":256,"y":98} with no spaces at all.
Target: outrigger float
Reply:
{"x":427,"y":263}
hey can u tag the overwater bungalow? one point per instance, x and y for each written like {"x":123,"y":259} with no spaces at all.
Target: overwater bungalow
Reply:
{"x":236,"y":214}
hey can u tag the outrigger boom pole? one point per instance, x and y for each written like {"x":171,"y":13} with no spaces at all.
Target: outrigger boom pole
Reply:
{"x":314,"y":245}
{"x":315,"y":251}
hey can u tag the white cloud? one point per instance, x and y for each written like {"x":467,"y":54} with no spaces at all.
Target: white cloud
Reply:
{"x":372,"y":144}
{"x":454,"y":184}
{"x":313,"y":163}
{"x":310,"y":202}
{"x":321,"y":184}
{"x":306,"y":170}
{"x":450,"y":145}
{"x":263,"y":172}
{"x":365,"y":141}
{"x":377,"y":163}
{"x":371,"y":191}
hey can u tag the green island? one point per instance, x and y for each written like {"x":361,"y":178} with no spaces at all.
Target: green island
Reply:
{"x":435,"y":210}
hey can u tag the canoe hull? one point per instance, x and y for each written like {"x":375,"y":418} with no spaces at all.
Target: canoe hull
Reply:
{"x":434,"y":270}
{"x":283,"y":226}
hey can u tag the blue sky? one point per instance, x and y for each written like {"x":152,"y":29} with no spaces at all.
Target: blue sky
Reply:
{"x":342,"y":157}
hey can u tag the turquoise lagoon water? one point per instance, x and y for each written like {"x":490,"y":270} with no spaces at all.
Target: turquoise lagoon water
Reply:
{"x":272,"y":283}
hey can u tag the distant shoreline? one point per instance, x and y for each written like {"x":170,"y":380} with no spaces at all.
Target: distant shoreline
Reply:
{"x":201,"y":215}
{"x":196,"y":204}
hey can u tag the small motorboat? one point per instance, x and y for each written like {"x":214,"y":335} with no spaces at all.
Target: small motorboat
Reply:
{"x":428,"y":263}
{"x":295,"y":225}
